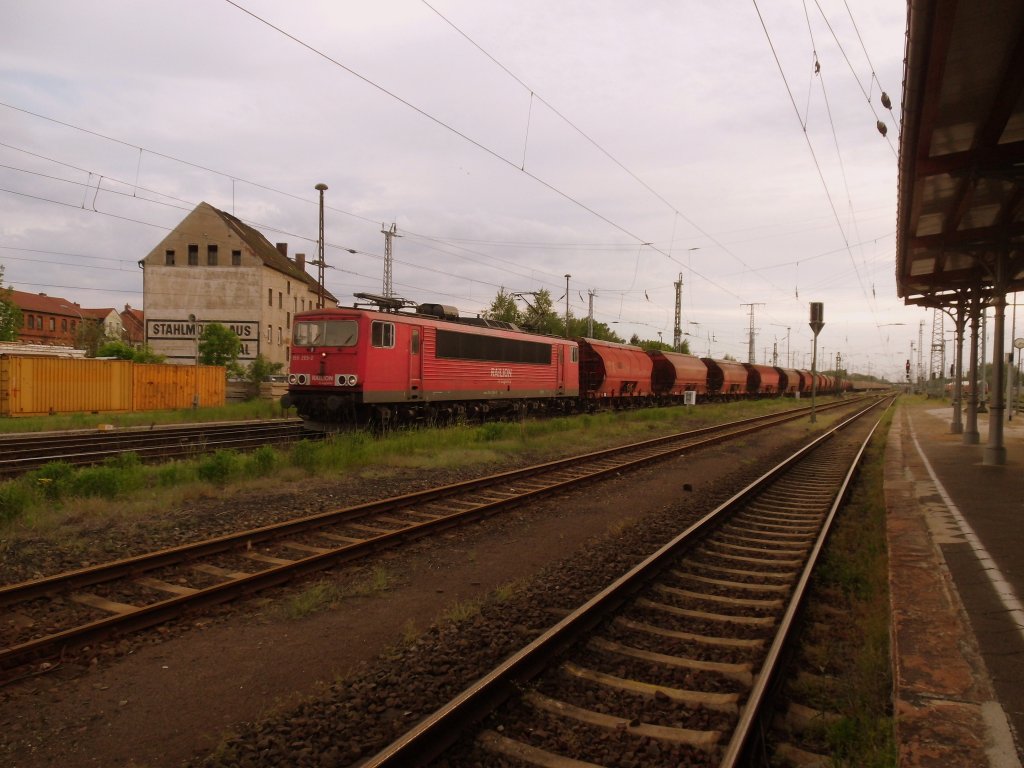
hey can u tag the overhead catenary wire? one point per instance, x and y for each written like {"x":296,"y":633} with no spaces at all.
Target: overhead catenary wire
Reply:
{"x":810,"y":147}
{"x":147,"y":165}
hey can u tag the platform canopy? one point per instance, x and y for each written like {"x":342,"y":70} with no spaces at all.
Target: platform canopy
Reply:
{"x":961,"y":203}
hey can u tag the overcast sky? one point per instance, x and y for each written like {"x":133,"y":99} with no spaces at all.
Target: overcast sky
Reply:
{"x":511,"y":143}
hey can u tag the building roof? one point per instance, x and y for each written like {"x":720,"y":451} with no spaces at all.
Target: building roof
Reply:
{"x":961,"y":165}
{"x":52,"y":305}
{"x":134,"y":322}
{"x":269,"y":253}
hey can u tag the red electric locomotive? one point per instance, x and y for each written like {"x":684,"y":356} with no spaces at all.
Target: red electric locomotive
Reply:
{"x":359,"y":365}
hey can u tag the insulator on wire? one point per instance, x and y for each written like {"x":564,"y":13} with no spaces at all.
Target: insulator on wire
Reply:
{"x":885,"y":100}
{"x":882,"y":127}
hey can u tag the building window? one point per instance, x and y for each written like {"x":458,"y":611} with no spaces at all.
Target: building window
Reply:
{"x":169,"y":257}
{"x":236,"y":258}
{"x":64,"y":324}
{"x":193,"y":255}
{"x":270,"y":333}
{"x":288,"y":286}
{"x":270,"y":298}
{"x":295,"y":303}
{"x":53,"y":324}
{"x":280,"y":336}
{"x":280,"y":300}
{"x":211,"y":255}
{"x":288,"y":321}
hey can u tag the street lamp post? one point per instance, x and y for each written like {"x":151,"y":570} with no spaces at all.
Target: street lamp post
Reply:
{"x":321,"y":188}
{"x":195,"y":334}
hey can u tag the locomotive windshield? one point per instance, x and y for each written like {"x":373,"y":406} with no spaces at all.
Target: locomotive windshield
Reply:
{"x":326,"y":333}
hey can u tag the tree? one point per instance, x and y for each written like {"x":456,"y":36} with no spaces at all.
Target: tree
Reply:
{"x":218,"y":345}
{"x":261,"y":368}
{"x":90,"y":335}
{"x":10,"y":313}
{"x":123,"y":351}
{"x":540,"y":315}
{"x":258,"y":370}
{"x":504,"y":308}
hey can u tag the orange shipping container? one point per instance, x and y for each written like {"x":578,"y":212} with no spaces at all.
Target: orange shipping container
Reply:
{"x":36,"y":386}
{"x":166,"y":387}
{"x":33,"y":386}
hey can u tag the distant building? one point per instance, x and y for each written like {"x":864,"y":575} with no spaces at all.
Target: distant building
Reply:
{"x":48,"y":320}
{"x":134,"y":323}
{"x":109,"y":319}
{"x":214,"y":268}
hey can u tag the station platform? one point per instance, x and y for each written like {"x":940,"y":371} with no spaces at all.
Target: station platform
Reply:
{"x":955,"y":532}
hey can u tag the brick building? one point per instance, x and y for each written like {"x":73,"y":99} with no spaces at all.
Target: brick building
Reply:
{"x":52,"y":320}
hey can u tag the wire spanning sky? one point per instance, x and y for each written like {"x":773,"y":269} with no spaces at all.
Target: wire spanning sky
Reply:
{"x":512,"y":143}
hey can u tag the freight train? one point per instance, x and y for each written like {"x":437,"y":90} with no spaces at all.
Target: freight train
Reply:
{"x":403,"y":363}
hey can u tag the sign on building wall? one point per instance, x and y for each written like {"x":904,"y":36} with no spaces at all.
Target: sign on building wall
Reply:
{"x":165,"y":332}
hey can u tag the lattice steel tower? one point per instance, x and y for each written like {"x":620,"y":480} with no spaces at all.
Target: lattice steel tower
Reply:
{"x":389,"y":235}
{"x":937,"y":367}
{"x":677,"y":332}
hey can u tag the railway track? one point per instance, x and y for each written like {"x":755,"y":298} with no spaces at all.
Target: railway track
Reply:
{"x":670,"y":664}
{"x":25,"y":452}
{"x":74,"y":608}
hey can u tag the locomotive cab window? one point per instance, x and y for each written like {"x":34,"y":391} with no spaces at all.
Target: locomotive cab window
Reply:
{"x":382,"y":334}
{"x":575,"y":354}
{"x":329,"y":333}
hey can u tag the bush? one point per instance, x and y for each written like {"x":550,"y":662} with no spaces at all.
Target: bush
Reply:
{"x":127,"y":461}
{"x":15,"y":499}
{"x":106,"y":482}
{"x":169,"y":475}
{"x":305,"y":454}
{"x":491,"y":432}
{"x":262,"y":461}
{"x":219,"y":467}
{"x":52,"y":479}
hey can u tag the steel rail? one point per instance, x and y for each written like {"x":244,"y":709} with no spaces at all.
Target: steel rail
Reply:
{"x":157,"y":612}
{"x":22,"y":454}
{"x":90,"y":575}
{"x":742,"y":735}
{"x":428,"y":739}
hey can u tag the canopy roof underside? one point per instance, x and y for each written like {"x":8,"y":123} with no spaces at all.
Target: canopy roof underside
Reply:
{"x":961,"y":150}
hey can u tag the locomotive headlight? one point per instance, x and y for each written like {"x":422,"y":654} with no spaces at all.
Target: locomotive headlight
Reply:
{"x":302,"y":378}
{"x":292,"y":378}
{"x":351,"y":379}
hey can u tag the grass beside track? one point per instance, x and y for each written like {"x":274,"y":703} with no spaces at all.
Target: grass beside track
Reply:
{"x":253,"y":409}
{"x":854,"y":660}
{"x":123,"y":486}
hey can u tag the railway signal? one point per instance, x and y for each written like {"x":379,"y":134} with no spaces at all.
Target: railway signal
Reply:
{"x":817,"y":323}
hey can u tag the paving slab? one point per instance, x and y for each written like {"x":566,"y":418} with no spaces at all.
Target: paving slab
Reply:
{"x":956,"y":569}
